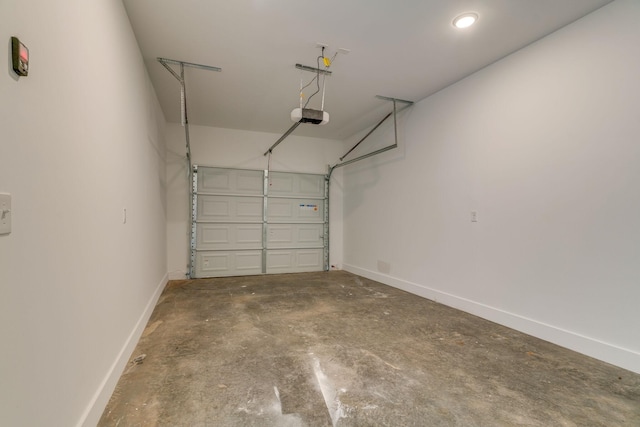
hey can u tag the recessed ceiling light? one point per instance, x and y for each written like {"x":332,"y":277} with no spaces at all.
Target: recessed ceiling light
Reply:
{"x":465,"y":20}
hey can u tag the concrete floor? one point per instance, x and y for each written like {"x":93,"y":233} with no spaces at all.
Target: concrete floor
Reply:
{"x":335,"y":349}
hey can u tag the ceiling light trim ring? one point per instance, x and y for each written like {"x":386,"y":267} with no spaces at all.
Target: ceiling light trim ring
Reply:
{"x":465,"y":20}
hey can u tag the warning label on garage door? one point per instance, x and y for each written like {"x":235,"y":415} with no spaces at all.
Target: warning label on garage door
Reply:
{"x":308,"y":207}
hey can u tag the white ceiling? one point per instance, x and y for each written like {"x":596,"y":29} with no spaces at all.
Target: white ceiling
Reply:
{"x":406,"y":49}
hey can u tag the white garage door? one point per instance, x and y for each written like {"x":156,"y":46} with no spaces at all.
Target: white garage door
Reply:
{"x":254,"y":222}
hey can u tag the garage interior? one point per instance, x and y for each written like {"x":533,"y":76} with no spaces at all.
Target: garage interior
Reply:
{"x":285,"y":213}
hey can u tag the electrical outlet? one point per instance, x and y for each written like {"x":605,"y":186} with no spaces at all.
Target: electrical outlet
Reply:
{"x":5,"y":213}
{"x":474,"y":216}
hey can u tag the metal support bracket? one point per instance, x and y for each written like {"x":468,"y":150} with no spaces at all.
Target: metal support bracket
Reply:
{"x":185,"y":122}
{"x":165,"y":61}
{"x":313,"y":69}
{"x":394,"y":112}
{"x":387,"y":98}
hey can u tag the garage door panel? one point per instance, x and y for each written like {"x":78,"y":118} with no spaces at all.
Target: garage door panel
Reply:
{"x":309,"y":260}
{"x":280,"y":235}
{"x":214,"y":236}
{"x":250,"y":182}
{"x":311,"y":234}
{"x":228,"y":263}
{"x":279,"y":260}
{"x":229,"y":209}
{"x":249,"y":235}
{"x":249,"y":209}
{"x":249,"y":262}
{"x":280,"y":184}
{"x":294,"y":260}
{"x":215,"y":261}
{"x":311,"y":186}
{"x":212,"y":207}
{"x":212,"y":181}
{"x":279,"y":209}
{"x":230,"y":181}
{"x":294,"y":235}
{"x":296,"y":185}
{"x":295,"y":210}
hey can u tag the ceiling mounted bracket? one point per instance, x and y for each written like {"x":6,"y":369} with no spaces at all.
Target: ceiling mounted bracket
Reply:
{"x":386,"y":98}
{"x":180,"y":77}
{"x":166,"y":63}
{"x":313,"y":69}
{"x":394,"y":112}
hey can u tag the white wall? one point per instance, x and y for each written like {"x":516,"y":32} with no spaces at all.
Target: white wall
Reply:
{"x":80,"y":139}
{"x":544,"y":146}
{"x":244,"y":150}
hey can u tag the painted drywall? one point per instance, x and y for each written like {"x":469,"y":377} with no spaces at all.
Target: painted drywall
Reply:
{"x":543,"y":145}
{"x":81,"y":139}
{"x":243,"y":150}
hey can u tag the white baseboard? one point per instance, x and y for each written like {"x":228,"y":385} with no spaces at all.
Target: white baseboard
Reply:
{"x":94,"y":410}
{"x":622,"y":357}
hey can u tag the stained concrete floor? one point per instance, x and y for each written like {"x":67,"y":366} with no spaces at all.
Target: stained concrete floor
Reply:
{"x":335,"y":349}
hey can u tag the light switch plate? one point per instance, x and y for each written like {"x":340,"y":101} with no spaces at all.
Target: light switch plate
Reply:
{"x":5,"y":213}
